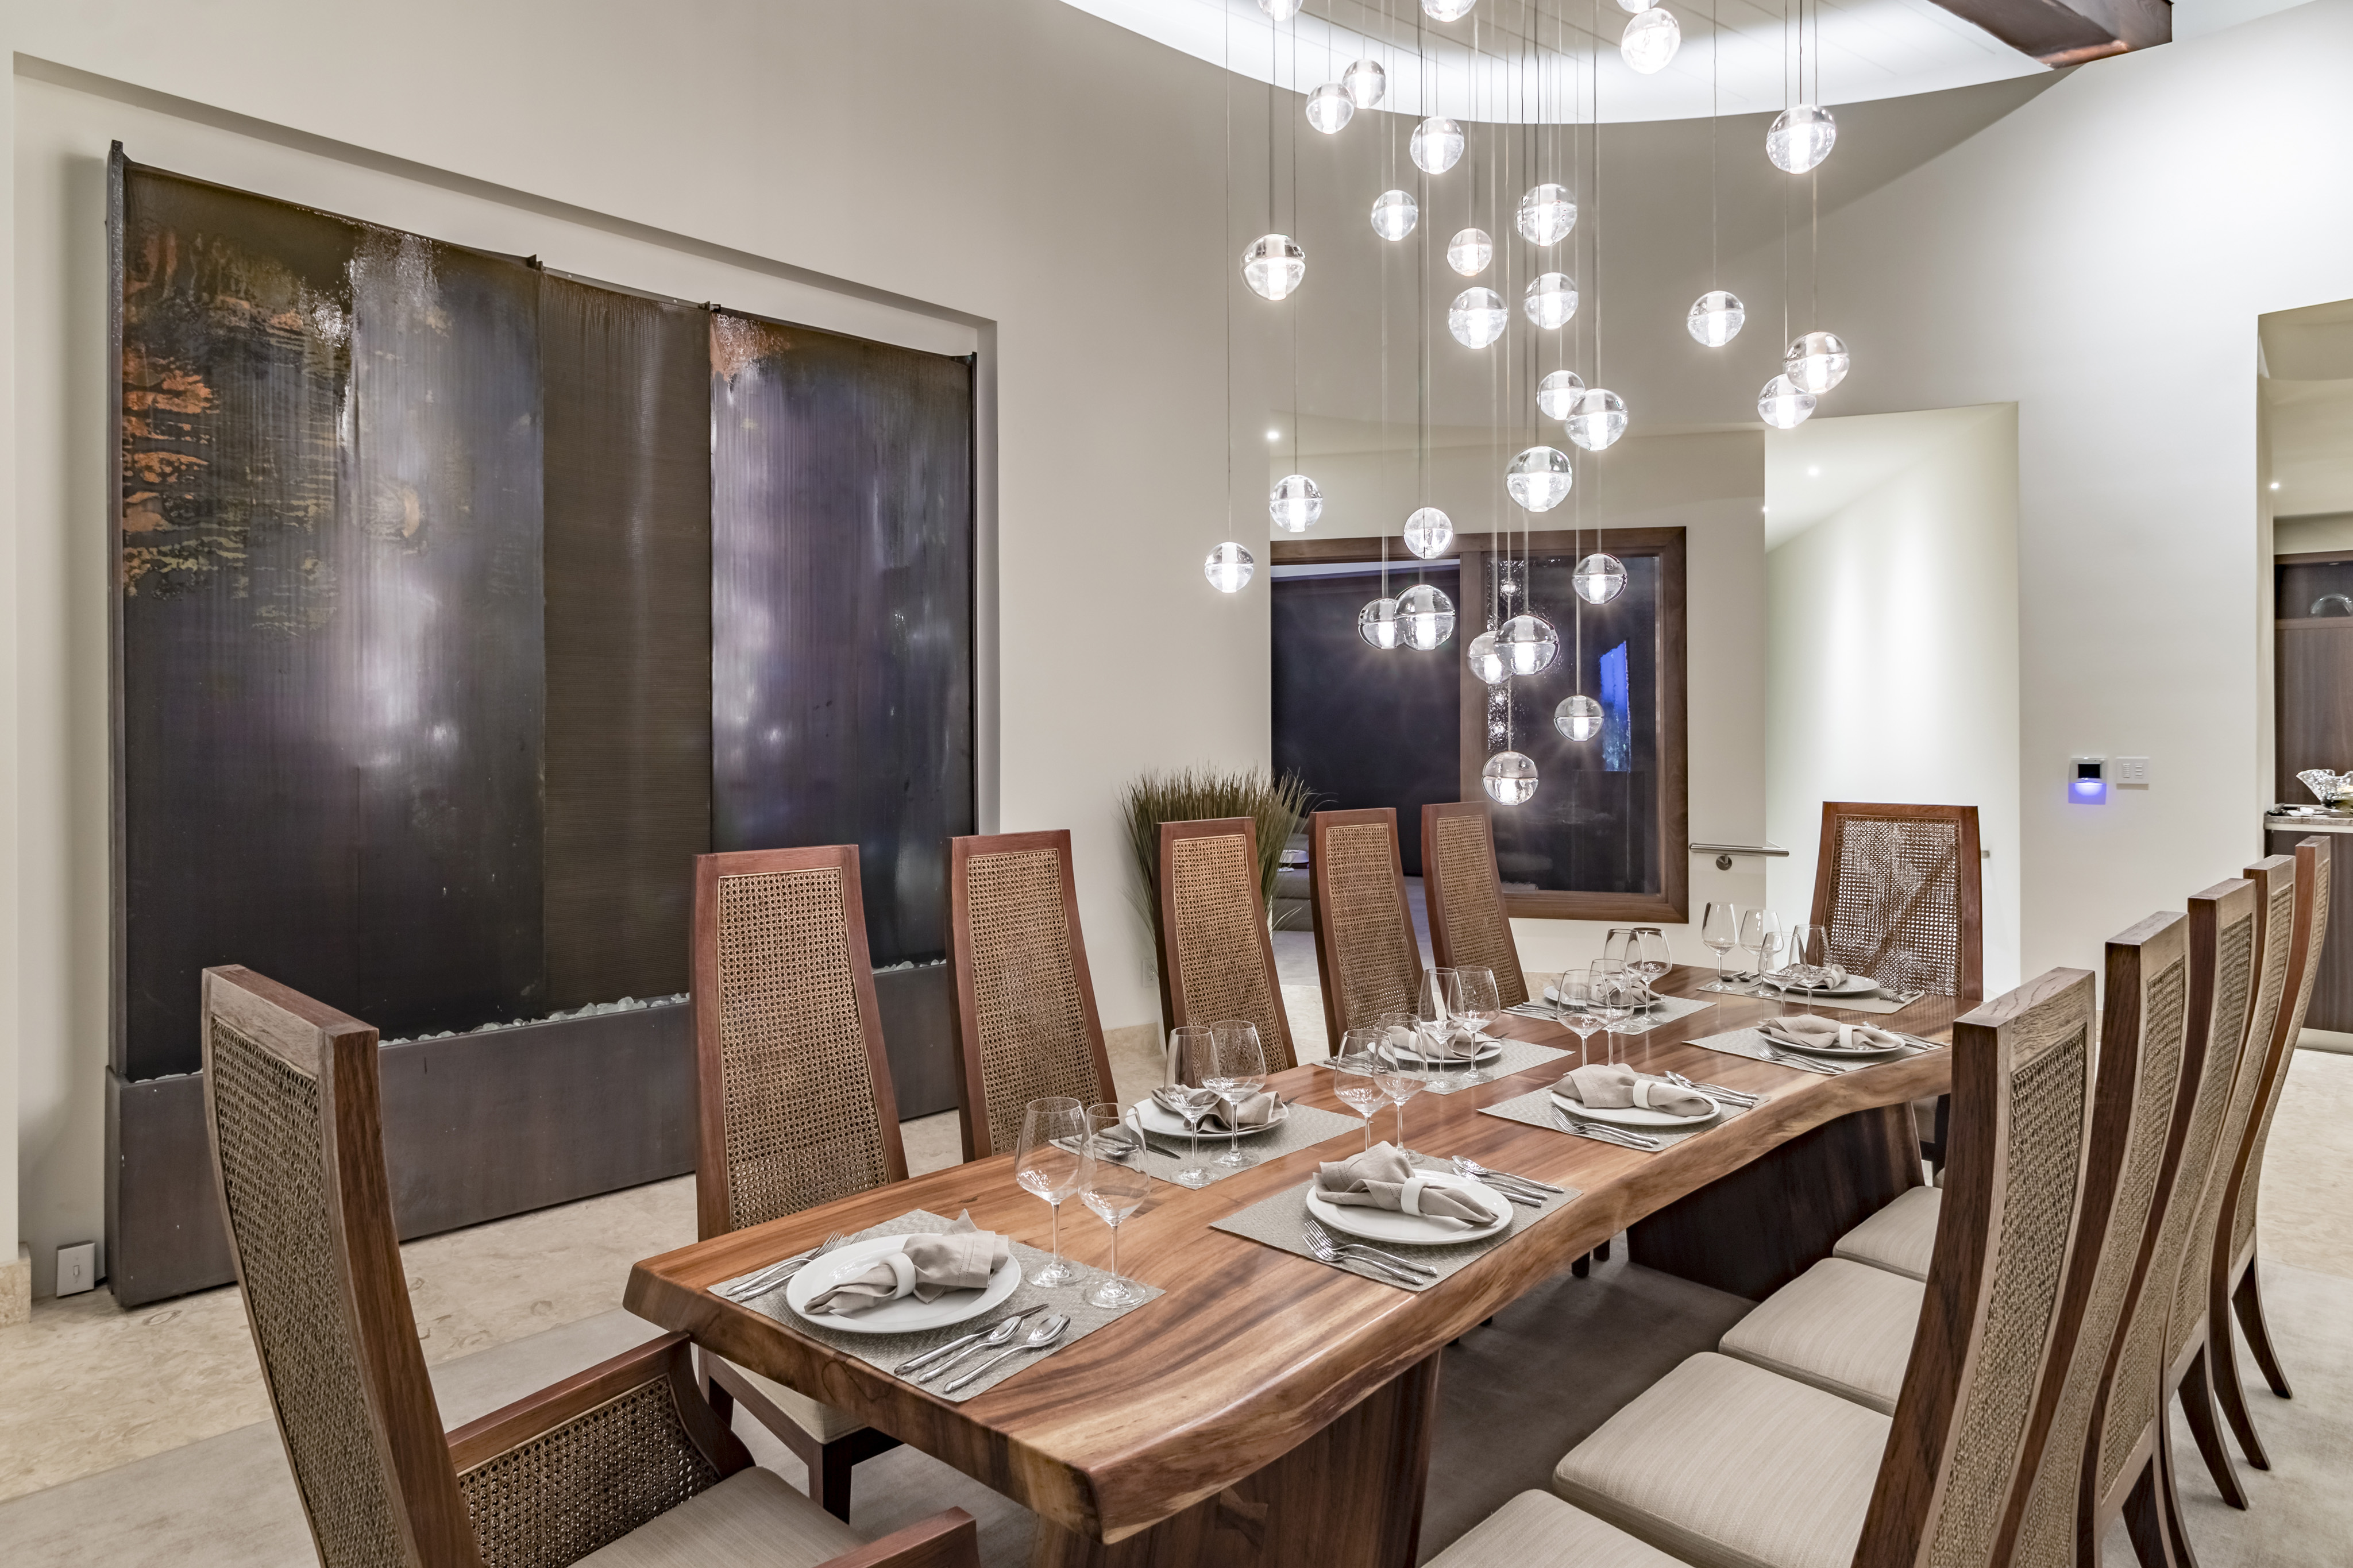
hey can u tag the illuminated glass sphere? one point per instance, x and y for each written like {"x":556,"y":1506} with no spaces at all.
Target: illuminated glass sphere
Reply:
{"x":1636,"y":4}
{"x":1486,"y":660}
{"x":1295,"y":504}
{"x":1376,"y":623}
{"x":1436,"y":145}
{"x":1477,"y":318}
{"x":1428,"y":532}
{"x":1546,"y":214}
{"x":1280,"y":10}
{"x":1800,"y":138}
{"x":1596,"y":418}
{"x":1556,"y":394}
{"x":1539,"y":479}
{"x":1816,"y":362}
{"x":1715,"y":317}
{"x":1579,"y":718}
{"x":1365,"y":83}
{"x":1274,"y":267}
{"x":1551,"y":301}
{"x":1784,"y":404}
{"x":1528,"y":645}
{"x":1599,"y":578}
{"x":1394,"y":213}
{"x":1448,"y":10}
{"x":1427,"y":616}
{"x":1228,"y":568}
{"x":1510,"y":778}
{"x":1329,"y":108}
{"x":1470,"y":251}
{"x":1650,"y":40}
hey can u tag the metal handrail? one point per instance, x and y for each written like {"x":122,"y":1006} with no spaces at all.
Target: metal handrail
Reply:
{"x":1739,"y":849}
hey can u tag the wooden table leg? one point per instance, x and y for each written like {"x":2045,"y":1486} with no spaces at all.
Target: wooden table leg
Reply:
{"x":1779,"y":1215}
{"x":1348,"y":1497}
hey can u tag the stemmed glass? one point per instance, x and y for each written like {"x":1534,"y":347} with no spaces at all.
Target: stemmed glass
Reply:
{"x":1192,"y":1059}
{"x":1240,"y":1073}
{"x":1811,"y":963}
{"x":1575,"y":1009}
{"x":1617,"y":948}
{"x":1650,"y":958}
{"x":1115,"y":1190}
{"x":1358,"y":1061}
{"x":1401,"y":1084}
{"x":1609,"y":994}
{"x":1046,"y":1163}
{"x":1719,"y":929}
{"x":1434,"y":1009}
{"x":1477,"y":1002}
{"x":1760,"y":933}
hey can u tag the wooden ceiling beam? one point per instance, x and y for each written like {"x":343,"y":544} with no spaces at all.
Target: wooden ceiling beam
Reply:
{"x":2069,"y":32}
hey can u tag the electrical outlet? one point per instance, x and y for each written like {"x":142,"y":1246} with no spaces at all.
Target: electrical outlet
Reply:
{"x":2132,"y":772}
{"x":77,"y":1269}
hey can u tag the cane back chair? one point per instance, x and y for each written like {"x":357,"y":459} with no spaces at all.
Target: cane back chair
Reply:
{"x":1899,"y":887}
{"x":1468,"y":926}
{"x":2288,"y":967}
{"x":1217,"y":956}
{"x":1025,"y":1020}
{"x":1366,"y":954}
{"x":623,"y":1460}
{"x":793,"y":1089}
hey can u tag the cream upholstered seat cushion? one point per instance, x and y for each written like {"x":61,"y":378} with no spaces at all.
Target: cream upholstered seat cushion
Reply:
{"x":1844,"y":1327}
{"x":1537,"y":1529}
{"x":753,"y":1519}
{"x":822,"y":1422}
{"x":1902,"y":1237}
{"x":1726,"y":1465}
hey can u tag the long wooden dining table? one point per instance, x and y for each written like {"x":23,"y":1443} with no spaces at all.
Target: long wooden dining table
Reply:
{"x":1270,"y":1409}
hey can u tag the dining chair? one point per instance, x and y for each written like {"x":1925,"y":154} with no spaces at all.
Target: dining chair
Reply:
{"x":622,"y":1464}
{"x":1468,"y":926}
{"x":1366,"y":954}
{"x":1216,"y":955}
{"x":1723,"y":1463}
{"x":2289,"y":966}
{"x":793,"y":1090}
{"x":1026,"y":1021}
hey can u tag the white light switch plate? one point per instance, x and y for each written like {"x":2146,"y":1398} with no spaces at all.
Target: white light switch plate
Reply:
{"x":77,"y":1269}
{"x":2133,"y":771}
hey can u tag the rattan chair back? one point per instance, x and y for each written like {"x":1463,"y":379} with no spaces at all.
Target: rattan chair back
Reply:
{"x":2021,"y":1101}
{"x":1467,"y":925}
{"x":1216,"y":954}
{"x":1366,"y":954}
{"x":1025,"y":1020}
{"x":2225,"y":924}
{"x":1900,"y":888}
{"x":2308,"y":930}
{"x":793,"y":1086}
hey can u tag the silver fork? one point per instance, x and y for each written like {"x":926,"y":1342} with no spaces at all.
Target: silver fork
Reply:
{"x":1323,"y":1251}
{"x":1601,"y":1134}
{"x":1470,"y":1167}
{"x":761,"y":1281}
{"x":1315,"y":1229}
{"x":1804,"y":1063}
{"x":1737,"y":1096}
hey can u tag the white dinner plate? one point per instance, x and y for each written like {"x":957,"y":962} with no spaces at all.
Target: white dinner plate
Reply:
{"x":1553,"y":997}
{"x":1641,"y":1116}
{"x":1489,"y":1050}
{"x":1833,"y":1050}
{"x":905,"y":1316}
{"x":1168,"y":1124}
{"x":1387,"y":1225}
{"x":1852,"y":986}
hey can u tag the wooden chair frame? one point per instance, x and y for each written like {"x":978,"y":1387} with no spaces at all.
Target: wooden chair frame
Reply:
{"x":972,"y":1082}
{"x":1327,"y":922}
{"x":419,"y":1464}
{"x":1174,"y":1007}
{"x":1445,"y":931}
{"x":1968,"y":880}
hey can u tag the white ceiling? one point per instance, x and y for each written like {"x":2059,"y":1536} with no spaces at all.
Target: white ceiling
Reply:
{"x":1826,"y":463}
{"x":1484,"y":67}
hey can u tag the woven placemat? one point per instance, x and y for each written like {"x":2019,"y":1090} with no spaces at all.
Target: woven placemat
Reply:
{"x":1535,"y":1110}
{"x":1750,"y":1043}
{"x":1517,"y":1056}
{"x":1305,"y":1127}
{"x":1895,"y":1004}
{"x":1280,"y":1222}
{"x":887,"y":1351}
{"x":1666,"y":1010}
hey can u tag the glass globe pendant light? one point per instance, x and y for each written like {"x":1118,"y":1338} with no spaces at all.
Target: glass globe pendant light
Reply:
{"x":1527,"y":644}
{"x":1486,"y":661}
{"x":1274,"y":267}
{"x":1365,"y":83}
{"x":1599,"y":578}
{"x":1596,"y":418}
{"x":1715,"y":317}
{"x":1539,"y":479}
{"x":1448,"y":10}
{"x":1551,"y":301}
{"x":1295,"y":504}
{"x":1556,"y":394}
{"x":1546,"y":214}
{"x":1477,"y":318}
{"x":1394,"y":213}
{"x":1377,"y":623}
{"x":1579,"y":718}
{"x":1436,"y":145}
{"x":1280,"y":10}
{"x":1636,"y":4}
{"x":1329,"y":108}
{"x":1470,"y":251}
{"x":1427,"y":616}
{"x":1816,"y":362}
{"x":1784,"y":404}
{"x":1228,"y":568}
{"x":1428,"y":532}
{"x":1510,"y":778}
{"x":1800,"y":138}
{"x":1651,"y":39}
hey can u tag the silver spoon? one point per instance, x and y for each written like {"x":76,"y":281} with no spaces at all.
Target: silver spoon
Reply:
{"x":1040,"y":1337}
{"x":956,"y":1350}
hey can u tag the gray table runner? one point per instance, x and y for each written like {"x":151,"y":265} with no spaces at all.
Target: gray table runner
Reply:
{"x":1750,"y":1044}
{"x":885,"y":1351}
{"x":1302,"y":1128}
{"x":1280,"y":1222}
{"x":1533,"y":1110}
{"x":1517,"y":1056}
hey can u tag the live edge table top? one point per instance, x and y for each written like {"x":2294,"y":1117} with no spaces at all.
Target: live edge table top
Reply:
{"x":1251,"y":1350}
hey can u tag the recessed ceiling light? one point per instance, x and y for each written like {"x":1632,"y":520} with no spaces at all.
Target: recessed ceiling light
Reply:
{"x":1275,"y":434}
{"x":1813,"y":473}
{"x":2275,"y":484}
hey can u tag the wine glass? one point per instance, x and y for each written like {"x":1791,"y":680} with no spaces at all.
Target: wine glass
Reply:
{"x":1651,"y":960}
{"x":1434,"y":1010}
{"x":1401,"y":1083}
{"x":1045,"y":1163}
{"x":1719,"y":929}
{"x":1240,"y":1073}
{"x":1477,"y":1002}
{"x":1115,"y":1190}
{"x":1760,"y":933}
{"x":1106,"y":1120}
{"x":1811,"y":963}
{"x":1609,"y":993}
{"x":1359,"y":1059}
{"x":1193,"y":1058}
{"x":1575,"y":1006}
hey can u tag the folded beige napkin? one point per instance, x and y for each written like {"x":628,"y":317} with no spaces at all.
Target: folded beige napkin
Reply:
{"x":1805,"y":1029}
{"x":1443,"y":1043}
{"x":926,"y":1267}
{"x":1224,"y":1115}
{"x":1606,"y":1086}
{"x":1383,"y":1178}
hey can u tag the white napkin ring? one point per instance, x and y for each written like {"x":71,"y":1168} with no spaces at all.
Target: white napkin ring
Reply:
{"x":903,"y":1267}
{"x":1846,"y":1036}
{"x":1642,"y":1093}
{"x":1410,"y":1195}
